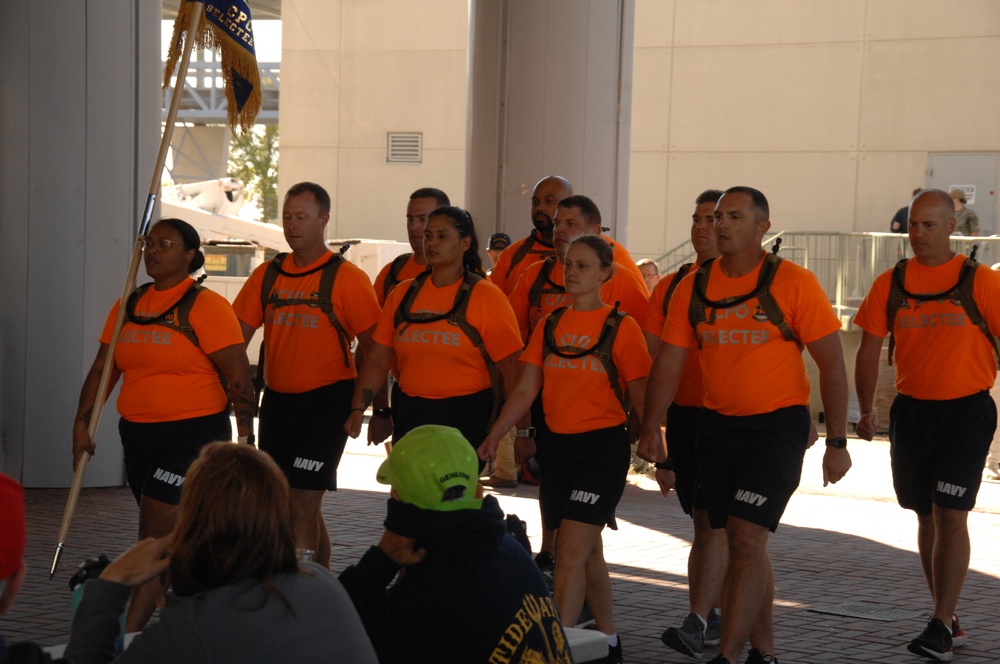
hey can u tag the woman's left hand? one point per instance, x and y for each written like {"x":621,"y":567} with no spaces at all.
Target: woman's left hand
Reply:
{"x":143,"y":561}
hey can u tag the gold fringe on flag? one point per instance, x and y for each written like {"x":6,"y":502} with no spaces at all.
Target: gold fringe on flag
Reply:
{"x":228,"y":30}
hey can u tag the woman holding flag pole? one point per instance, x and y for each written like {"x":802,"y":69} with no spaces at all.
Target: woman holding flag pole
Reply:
{"x":177,"y":341}
{"x":230,"y":32}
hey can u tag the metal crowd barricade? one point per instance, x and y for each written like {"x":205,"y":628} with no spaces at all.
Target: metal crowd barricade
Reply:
{"x":846,"y":264}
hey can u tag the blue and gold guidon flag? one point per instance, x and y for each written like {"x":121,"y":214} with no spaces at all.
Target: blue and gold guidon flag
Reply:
{"x":228,"y":28}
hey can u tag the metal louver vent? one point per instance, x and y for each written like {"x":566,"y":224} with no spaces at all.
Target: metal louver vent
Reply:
{"x":404,"y":148}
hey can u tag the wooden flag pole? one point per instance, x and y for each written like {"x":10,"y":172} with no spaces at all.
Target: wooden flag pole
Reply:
{"x":196,"y":14}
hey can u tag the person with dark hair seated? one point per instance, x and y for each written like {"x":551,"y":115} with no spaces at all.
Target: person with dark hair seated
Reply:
{"x":239,"y":593}
{"x":464,"y":590}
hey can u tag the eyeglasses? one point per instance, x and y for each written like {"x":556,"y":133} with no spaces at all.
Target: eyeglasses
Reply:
{"x":162,"y":244}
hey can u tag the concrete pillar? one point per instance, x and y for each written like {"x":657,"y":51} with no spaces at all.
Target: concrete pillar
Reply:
{"x":549,"y":93}
{"x":80,"y":126}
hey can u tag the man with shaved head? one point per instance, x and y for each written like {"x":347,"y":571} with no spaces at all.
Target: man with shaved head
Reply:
{"x":941,"y":311}
{"x":516,"y":258}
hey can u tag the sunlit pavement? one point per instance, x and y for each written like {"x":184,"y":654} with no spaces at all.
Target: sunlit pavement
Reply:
{"x":848,"y":542}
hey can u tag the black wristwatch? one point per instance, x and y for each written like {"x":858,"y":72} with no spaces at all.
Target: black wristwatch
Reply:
{"x":837,"y":443}
{"x":382,"y":412}
{"x":666,"y":464}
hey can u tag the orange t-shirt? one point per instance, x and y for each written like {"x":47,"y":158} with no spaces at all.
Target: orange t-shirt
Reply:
{"x":576,"y":393}
{"x":302,"y":348}
{"x":939,"y":353}
{"x":410,"y":270}
{"x":436,"y":360}
{"x":747,"y":366}
{"x":540,"y":252}
{"x":164,"y":376}
{"x":622,"y":287}
{"x":506,"y":282}
{"x":691,"y":391}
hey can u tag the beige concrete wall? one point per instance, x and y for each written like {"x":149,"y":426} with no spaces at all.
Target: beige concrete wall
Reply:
{"x":353,"y":71}
{"x":830,"y":107}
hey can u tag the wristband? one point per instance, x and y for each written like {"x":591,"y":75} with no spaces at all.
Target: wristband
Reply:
{"x":666,"y":464}
{"x":249,"y":439}
{"x":837,"y":443}
{"x":525,"y":433}
{"x":360,"y":410}
{"x":382,"y":412}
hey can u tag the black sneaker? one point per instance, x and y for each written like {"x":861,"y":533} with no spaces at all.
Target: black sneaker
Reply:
{"x":614,"y":654}
{"x":688,"y":639}
{"x":721,"y":659}
{"x":755,"y":656}
{"x":547,"y":564}
{"x":934,"y":642}
{"x":713,"y":630}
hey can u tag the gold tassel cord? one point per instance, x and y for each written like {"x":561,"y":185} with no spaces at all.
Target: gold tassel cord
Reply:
{"x":234,"y":42}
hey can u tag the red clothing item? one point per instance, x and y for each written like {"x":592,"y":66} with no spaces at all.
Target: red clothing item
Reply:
{"x":939,"y":353}
{"x":164,"y":376}
{"x":747,"y":366}
{"x":576,"y":393}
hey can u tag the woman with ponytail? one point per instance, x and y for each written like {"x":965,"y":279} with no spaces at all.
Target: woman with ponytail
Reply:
{"x":182,"y":358}
{"x":438,"y":330}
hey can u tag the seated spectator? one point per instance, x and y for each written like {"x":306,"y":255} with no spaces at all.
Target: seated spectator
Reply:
{"x":239,"y":594}
{"x":469,"y":591}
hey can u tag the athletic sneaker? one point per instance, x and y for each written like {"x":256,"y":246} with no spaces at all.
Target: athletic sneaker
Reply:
{"x":713,"y":633}
{"x":547,"y":564}
{"x":721,"y":659}
{"x":614,"y":654}
{"x":934,"y":642}
{"x":755,"y":656}
{"x":689,"y":638}
{"x":958,"y":636}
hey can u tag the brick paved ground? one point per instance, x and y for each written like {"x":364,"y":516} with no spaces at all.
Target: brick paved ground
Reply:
{"x":848,"y":543}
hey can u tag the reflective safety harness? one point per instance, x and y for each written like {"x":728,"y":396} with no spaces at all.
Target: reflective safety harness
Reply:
{"x":681,"y":273}
{"x":528,"y":247}
{"x":961,"y":291}
{"x":602,"y":349}
{"x":543,"y":284}
{"x":321,"y":299}
{"x":765,"y":301}
{"x":405,"y":317}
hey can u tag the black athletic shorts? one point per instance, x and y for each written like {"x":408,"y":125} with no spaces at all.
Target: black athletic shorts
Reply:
{"x":584,"y":476}
{"x":157,"y":454}
{"x":304,"y":433}
{"x":938,"y":450}
{"x":750,"y":465}
{"x":682,"y":437}
{"x":470,"y":414}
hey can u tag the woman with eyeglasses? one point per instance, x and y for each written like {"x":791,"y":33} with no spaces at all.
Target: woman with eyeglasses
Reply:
{"x":451,"y":334}
{"x":181,"y":356}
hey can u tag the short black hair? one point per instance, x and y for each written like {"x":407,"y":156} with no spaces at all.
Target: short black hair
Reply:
{"x":430,"y":192}
{"x":318,"y":192}
{"x":588,"y":209}
{"x":759,"y":200}
{"x":708,"y":196}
